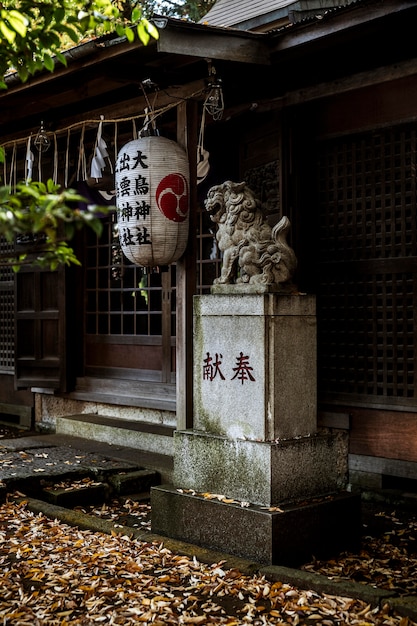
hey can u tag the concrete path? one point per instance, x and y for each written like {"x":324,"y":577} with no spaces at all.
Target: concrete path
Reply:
{"x":52,"y":455}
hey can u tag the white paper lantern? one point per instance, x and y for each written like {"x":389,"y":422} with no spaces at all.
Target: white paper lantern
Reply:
{"x":152,"y":200}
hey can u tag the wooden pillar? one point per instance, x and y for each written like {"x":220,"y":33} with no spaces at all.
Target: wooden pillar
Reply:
{"x":186,"y":274}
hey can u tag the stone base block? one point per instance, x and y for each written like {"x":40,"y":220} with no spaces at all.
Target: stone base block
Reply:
{"x":255,"y":365}
{"x":264,"y":473}
{"x":292,"y":535}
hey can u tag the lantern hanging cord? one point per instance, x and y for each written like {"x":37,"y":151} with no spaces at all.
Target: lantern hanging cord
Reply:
{"x":150,"y":108}
{"x":155,"y":114}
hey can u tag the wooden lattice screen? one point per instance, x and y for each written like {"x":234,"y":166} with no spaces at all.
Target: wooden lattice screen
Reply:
{"x":367,"y":274}
{"x":6,"y":312}
{"x":122,"y":299}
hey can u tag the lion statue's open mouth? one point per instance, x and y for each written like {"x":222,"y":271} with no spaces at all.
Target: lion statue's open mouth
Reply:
{"x":253,"y":251}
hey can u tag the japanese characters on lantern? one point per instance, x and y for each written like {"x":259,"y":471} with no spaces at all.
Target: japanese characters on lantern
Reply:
{"x":152,"y":199}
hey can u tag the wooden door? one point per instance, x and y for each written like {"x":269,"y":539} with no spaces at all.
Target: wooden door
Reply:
{"x":40,"y":350}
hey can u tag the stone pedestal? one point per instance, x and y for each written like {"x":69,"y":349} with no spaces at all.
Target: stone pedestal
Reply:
{"x":263,"y":473}
{"x":254,"y":458}
{"x":288,"y":535}
{"x":255,"y":365}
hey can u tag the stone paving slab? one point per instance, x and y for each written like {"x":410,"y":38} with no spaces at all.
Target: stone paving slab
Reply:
{"x":135,"y":458}
{"x":26,"y":443}
{"x":51,"y":461}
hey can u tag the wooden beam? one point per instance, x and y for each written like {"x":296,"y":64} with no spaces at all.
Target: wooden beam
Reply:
{"x":214,"y":46}
{"x":330,"y":419}
{"x":335,"y":24}
{"x":384,"y":434}
{"x":380,"y":465}
{"x":350,"y":83}
{"x":186,"y":274}
{"x":80,"y":57}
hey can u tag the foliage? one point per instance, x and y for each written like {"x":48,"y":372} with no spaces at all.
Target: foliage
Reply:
{"x":33,"y":36}
{"x":192,"y":10}
{"x":43,"y":218}
{"x":33,"y":33}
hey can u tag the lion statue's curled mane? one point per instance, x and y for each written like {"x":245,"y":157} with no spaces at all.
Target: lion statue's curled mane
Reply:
{"x":253,"y":251}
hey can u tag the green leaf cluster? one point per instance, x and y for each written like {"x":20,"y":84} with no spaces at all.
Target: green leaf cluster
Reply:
{"x":192,"y":10}
{"x":34,"y":33}
{"x":33,"y":36}
{"x":51,"y":216}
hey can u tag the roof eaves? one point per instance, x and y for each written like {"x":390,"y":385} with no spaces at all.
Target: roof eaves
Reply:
{"x":93,"y":47}
{"x":261,"y":20}
{"x":217,"y":42}
{"x":336,"y":20}
{"x":81,"y":51}
{"x":251,"y":13}
{"x":298,"y":16}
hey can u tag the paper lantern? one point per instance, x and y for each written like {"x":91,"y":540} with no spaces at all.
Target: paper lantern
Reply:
{"x":152,"y":200}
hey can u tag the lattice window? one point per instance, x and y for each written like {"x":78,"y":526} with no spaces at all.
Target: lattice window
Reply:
{"x":122,"y":298}
{"x":208,"y":254}
{"x":368,"y":267}
{"x":130,"y":314}
{"x":6,"y":312}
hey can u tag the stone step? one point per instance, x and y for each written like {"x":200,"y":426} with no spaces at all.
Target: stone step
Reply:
{"x":147,"y":436}
{"x":71,"y":497}
{"x":83,"y":493}
{"x":139,"y":481}
{"x":150,"y":446}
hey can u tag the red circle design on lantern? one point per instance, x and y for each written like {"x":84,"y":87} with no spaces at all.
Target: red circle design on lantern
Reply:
{"x":172,"y":197}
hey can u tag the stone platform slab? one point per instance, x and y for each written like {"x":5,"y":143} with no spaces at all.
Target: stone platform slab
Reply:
{"x":290,"y":535}
{"x":264,"y":473}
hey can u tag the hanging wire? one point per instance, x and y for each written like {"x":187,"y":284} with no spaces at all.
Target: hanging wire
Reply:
{"x":67,"y":151}
{"x":115,"y":140}
{"x":214,"y":102}
{"x":55,"y":174}
{"x":203,"y":165}
{"x":12,"y":178}
{"x":149,"y":110}
{"x":156,"y":113}
{"x":81,"y":166}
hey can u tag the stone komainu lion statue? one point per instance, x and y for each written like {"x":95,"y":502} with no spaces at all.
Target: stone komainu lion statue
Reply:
{"x":251,"y":248}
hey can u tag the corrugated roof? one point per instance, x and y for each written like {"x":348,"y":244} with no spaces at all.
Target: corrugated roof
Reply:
{"x":253,"y":13}
{"x":231,"y":12}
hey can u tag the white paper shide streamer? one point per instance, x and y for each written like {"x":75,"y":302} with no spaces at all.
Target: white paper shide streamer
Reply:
{"x":29,"y":161}
{"x":98,"y":162}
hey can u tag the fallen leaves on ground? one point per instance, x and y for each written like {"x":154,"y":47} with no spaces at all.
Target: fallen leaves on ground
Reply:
{"x":387,"y":559}
{"x":73,"y":485}
{"x":127,"y":512}
{"x":55,"y":574}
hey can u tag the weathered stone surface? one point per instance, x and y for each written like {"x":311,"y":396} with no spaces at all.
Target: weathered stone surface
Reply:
{"x":253,"y":251}
{"x":71,"y":497}
{"x":321,"y":527}
{"x":133,"y":482}
{"x":255,"y":365}
{"x":255,"y":446}
{"x":263,"y":473}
